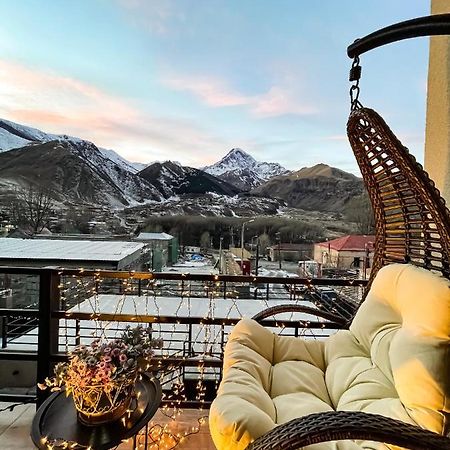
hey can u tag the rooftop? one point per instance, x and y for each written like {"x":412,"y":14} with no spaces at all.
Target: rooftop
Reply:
{"x":48,"y":249}
{"x":349,"y":242}
{"x":154,"y":237}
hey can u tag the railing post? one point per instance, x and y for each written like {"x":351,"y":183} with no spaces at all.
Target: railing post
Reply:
{"x":190,"y":352}
{"x":48,"y":331}
{"x":77,"y":332}
{"x":4,"y":329}
{"x":222,"y":340}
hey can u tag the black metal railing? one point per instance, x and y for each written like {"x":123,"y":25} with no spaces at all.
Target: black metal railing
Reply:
{"x":192,"y":314}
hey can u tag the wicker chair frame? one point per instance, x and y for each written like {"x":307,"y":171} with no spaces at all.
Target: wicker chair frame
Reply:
{"x":412,"y":222}
{"x":412,"y":225}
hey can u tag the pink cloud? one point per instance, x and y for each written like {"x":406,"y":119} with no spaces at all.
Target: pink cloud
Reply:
{"x":277,"y":101}
{"x":211,"y":91}
{"x":65,"y":105}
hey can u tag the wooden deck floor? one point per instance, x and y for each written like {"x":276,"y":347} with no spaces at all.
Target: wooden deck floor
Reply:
{"x":188,"y":419}
{"x":15,"y":429}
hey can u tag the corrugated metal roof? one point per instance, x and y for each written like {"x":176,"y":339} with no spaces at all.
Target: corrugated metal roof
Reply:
{"x":11,"y":248}
{"x":154,"y":237}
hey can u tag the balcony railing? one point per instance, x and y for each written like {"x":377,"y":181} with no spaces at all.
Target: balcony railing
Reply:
{"x":44,"y":313}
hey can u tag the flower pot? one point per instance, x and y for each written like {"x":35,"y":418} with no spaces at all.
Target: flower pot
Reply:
{"x":96,"y":406}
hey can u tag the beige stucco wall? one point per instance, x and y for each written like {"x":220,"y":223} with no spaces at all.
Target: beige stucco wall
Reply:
{"x":341,"y":260}
{"x":437,"y":136}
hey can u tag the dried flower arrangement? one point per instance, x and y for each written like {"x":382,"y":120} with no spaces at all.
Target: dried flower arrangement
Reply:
{"x":100,"y":376}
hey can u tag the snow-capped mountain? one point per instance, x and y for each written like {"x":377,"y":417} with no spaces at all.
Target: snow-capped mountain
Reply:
{"x":97,"y":175}
{"x":14,"y":135}
{"x":243,"y":171}
{"x":133,"y":167}
{"x":76,"y":171}
{"x":73,"y":173}
{"x":172,"y":179}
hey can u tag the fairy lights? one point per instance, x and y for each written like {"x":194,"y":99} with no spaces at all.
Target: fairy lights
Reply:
{"x":199,"y":313}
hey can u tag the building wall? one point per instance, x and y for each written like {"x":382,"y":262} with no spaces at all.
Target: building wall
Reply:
{"x":343,"y":259}
{"x":174,"y":250}
{"x":437,"y":138}
{"x":299,"y":254}
{"x":189,"y":249}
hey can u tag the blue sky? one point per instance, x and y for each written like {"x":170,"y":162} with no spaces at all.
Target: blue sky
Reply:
{"x":188,"y":80}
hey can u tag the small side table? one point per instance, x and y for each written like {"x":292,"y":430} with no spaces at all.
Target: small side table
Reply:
{"x":56,"y":421}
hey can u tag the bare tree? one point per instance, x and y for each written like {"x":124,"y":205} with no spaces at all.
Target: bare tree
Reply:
{"x":264,"y":242}
{"x":32,"y":208}
{"x":205,"y":240}
{"x":359,"y":210}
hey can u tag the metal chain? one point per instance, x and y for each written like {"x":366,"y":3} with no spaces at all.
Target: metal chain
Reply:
{"x":355,"y":75}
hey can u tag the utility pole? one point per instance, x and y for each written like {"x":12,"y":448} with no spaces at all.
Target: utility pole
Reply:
{"x":257,"y":256}
{"x":220,"y":253}
{"x":242,"y":243}
{"x":278,"y":238}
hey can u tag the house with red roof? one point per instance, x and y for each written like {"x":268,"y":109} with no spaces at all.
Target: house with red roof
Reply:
{"x":347,"y":252}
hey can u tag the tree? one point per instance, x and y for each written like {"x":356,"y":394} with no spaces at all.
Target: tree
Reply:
{"x":80,"y":218}
{"x":359,"y":210}
{"x":205,"y":240}
{"x":32,"y":208}
{"x":264,"y":242}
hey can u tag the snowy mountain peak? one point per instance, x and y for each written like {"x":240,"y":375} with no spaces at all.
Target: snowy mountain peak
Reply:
{"x":236,"y":158}
{"x":241,"y":169}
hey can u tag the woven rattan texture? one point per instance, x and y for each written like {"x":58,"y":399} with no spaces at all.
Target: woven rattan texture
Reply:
{"x":412,"y":222}
{"x":331,"y":426}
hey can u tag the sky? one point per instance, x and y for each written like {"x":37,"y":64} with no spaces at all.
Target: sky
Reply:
{"x":187,"y":80}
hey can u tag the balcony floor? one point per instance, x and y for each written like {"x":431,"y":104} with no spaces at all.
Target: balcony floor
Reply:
{"x":15,"y":429}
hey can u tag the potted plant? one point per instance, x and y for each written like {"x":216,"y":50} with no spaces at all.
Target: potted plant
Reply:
{"x":101,"y":376}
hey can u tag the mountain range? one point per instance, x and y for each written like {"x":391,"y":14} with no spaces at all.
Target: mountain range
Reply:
{"x":76,"y":171}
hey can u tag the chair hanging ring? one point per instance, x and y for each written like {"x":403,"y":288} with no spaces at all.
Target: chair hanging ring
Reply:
{"x":355,"y":75}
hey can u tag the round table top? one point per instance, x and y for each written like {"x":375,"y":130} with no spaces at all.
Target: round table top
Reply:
{"x":56,"y":420}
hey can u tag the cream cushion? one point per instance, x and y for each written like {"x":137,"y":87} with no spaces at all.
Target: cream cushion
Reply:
{"x":394,"y":361}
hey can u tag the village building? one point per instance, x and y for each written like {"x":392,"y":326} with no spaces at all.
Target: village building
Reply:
{"x":162,"y":247}
{"x":290,"y":252}
{"x":346,"y":252}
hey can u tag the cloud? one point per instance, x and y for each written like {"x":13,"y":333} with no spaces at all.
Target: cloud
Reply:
{"x":65,"y":105}
{"x":214,"y":92}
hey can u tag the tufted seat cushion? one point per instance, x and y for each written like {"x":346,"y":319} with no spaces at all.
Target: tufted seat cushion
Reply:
{"x":393,"y":361}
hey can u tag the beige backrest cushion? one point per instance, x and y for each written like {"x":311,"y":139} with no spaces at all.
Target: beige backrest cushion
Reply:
{"x":399,"y":339}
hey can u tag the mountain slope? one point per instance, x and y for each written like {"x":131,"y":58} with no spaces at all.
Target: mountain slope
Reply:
{"x":14,"y":135}
{"x":243,"y":171}
{"x":319,"y":188}
{"x":74,"y":172}
{"x":173,"y":179}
